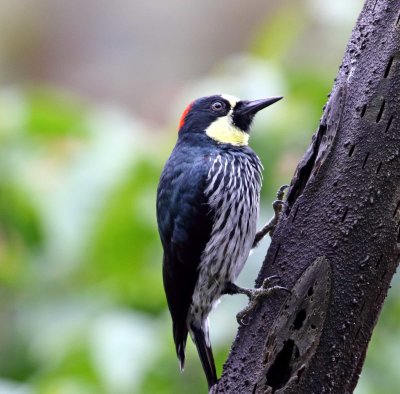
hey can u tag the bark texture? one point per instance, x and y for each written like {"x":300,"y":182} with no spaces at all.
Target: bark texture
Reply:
{"x":337,"y":245}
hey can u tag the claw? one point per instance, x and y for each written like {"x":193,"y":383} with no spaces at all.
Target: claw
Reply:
{"x":281,"y":192}
{"x":256,"y":296}
{"x":281,"y":288}
{"x":241,"y":316}
{"x":268,"y":281}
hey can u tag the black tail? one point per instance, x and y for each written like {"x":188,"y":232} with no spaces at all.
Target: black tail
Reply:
{"x":180,"y":336}
{"x":200,"y":338}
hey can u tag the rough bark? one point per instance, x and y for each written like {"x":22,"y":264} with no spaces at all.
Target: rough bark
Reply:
{"x":337,"y":245}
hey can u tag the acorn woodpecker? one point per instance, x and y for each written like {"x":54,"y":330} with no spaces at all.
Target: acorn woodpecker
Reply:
{"x":207,"y":210}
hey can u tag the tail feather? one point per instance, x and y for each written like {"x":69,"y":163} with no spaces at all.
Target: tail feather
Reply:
{"x":180,"y":337}
{"x":180,"y":351}
{"x":202,"y":341}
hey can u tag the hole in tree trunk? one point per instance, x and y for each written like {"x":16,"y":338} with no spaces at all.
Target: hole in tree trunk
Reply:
{"x":388,"y":67}
{"x":389,"y":123}
{"x":363,"y":109}
{"x":300,"y":317}
{"x":280,"y":371}
{"x":380,"y":113}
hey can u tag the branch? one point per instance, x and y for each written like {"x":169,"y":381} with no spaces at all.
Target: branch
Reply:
{"x":336,"y":246}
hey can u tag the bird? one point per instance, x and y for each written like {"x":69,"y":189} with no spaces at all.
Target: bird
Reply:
{"x":207,"y":210}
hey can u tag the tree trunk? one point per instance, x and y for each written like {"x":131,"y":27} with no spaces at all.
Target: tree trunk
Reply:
{"x":337,"y":244}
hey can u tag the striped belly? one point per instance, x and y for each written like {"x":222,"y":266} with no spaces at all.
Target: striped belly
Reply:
{"x":233,"y":195}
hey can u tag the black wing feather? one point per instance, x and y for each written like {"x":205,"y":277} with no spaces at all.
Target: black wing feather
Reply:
{"x":185,"y":224}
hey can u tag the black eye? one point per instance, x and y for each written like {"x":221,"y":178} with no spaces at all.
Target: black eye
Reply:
{"x":217,"y":106}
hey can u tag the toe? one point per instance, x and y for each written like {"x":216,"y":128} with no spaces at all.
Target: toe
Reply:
{"x":242,"y":318}
{"x":267,"y":281}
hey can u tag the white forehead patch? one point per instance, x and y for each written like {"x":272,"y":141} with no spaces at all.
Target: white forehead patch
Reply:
{"x":231,"y":99}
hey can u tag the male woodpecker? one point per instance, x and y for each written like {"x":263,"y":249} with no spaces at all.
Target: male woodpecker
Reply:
{"x":207,"y":210}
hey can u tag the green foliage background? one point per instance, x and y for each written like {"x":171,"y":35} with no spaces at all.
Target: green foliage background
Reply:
{"x":82,"y":308}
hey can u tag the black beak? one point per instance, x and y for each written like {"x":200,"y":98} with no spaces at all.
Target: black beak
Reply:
{"x":252,"y":107}
{"x":244,"y":111}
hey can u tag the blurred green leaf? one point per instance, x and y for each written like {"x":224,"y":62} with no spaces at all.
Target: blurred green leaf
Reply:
{"x":21,"y":232}
{"x":52,"y":113}
{"x":18,"y":216}
{"x":124,"y":257}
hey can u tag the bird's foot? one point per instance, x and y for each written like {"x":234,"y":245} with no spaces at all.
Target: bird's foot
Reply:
{"x":256,"y":296}
{"x":277,"y":205}
{"x":281,"y":192}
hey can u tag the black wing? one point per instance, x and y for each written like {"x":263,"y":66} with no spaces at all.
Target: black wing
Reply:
{"x":185,"y":223}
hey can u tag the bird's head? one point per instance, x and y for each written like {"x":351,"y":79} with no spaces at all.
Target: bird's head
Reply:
{"x":224,"y":118}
